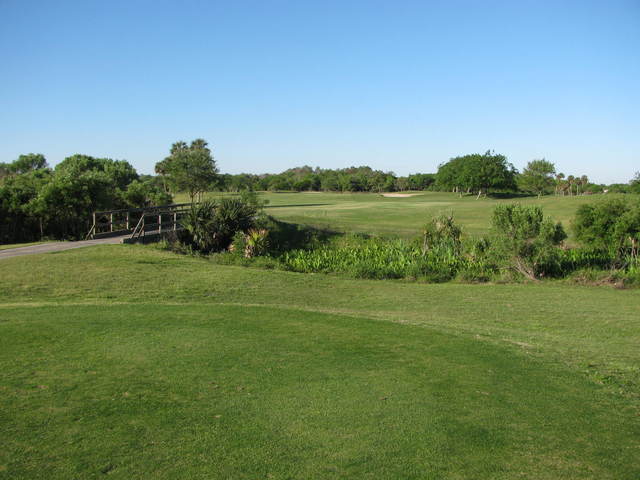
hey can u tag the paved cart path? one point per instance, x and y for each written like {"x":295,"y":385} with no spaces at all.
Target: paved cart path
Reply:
{"x":57,"y":247}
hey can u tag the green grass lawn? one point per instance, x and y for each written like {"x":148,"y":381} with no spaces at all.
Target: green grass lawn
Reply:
{"x":126,"y":361}
{"x":373,"y":213}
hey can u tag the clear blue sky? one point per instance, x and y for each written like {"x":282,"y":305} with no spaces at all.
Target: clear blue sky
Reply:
{"x":400,"y":86}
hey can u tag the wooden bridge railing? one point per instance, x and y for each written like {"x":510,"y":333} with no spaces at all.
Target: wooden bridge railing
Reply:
{"x":138,"y":222}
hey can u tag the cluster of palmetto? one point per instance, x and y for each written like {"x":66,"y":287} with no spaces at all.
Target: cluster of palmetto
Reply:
{"x":570,"y":184}
{"x":211,"y":225}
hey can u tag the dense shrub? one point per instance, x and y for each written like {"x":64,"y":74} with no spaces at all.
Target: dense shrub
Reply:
{"x":21,"y":216}
{"x":612,"y":224}
{"x":200,"y":228}
{"x":210,"y":226}
{"x":479,"y":264}
{"x":253,"y":243}
{"x":145,"y":193}
{"x":525,"y":241}
{"x":441,"y":232}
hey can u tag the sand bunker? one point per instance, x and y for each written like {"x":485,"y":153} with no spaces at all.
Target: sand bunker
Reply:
{"x":400,"y":195}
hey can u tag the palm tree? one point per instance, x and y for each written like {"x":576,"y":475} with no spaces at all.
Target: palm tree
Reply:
{"x":161,"y":169}
{"x":178,"y":147}
{"x":585,"y":181}
{"x":559,"y":178}
{"x":571,"y":180}
{"x":199,"y":144}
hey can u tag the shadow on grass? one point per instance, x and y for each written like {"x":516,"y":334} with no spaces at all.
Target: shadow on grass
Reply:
{"x":510,"y":195}
{"x":286,"y":236}
{"x":498,"y":195}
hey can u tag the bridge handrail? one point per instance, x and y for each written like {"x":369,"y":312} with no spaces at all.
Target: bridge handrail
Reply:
{"x":140,"y":225}
{"x":91,"y":232}
{"x":155,"y":208}
{"x":175,"y":210}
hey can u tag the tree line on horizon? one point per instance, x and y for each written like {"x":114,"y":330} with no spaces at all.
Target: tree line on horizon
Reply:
{"x":37,"y":201}
{"x":479,"y":174}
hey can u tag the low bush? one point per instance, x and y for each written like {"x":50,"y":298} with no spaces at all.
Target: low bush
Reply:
{"x":612,"y":277}
{"x":526,"y":241}
{"x":253,"y":243}
{"x":359,"y":257}
{"x":210,"y":226}
{"x":611,"y":225}
{"x":574,"y":259}
{"x":377,"y":258}
{"x":441,"y":231}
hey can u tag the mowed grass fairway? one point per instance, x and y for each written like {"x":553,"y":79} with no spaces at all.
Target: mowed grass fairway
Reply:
{"x":126,"y":361}
{"x":374,"y":213}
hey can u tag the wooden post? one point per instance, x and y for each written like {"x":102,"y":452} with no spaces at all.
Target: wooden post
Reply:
{"x":111,"y":222}
{"x":159,"y":222}
{"x":175,"y":221}
{"x":127,"y":220}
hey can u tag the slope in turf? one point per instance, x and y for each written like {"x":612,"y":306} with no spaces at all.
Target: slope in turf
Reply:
{"x":210,"y":391}
{"x":129,"y":361}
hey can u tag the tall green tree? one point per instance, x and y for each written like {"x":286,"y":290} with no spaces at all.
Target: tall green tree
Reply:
{"x":19,"y":217}
{"x":145,"y":193}
{"x":28,"y":162}
{"x":421,"y":181}
{"x":537,"y":177}
{"x":559,"y":181}
{"x":189,"y":168}
{"x":583,"y":182}
{"x":571,"y":182}
{"x":479,"y":173}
